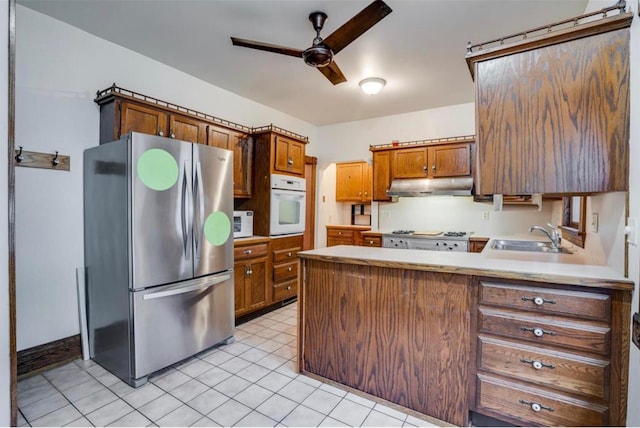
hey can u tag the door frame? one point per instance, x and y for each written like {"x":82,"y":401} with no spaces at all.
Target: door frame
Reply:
{"x":309,"y":236}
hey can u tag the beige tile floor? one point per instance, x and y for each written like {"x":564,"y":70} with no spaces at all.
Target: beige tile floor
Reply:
{"x":251,"y":382}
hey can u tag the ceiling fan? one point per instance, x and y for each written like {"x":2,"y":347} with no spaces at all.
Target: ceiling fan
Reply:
{"x":320,"y":54}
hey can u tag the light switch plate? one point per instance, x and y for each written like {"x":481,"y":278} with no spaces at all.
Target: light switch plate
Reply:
{"x":631,"y":230}
{"x":635,"y":331}
{"x":594,"y":222}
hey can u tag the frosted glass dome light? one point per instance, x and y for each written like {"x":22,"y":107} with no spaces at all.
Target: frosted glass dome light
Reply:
{"x":372,"y":85}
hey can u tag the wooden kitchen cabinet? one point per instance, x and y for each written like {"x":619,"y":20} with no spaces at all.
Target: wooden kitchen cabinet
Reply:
{"x":447,"y":160}
{"x":251,"y":286}
{"x":288,"y":156}
{"x":122,"y":112}
{"x":548,"y":354}
{"x":552,"y":113}
{"x":371,"y":239}
{"x":381,"y":173}
{"x":345,"y":235}
{"x":353,"y":182}
{"x":241,"y":144}
{"x":285,"y":266}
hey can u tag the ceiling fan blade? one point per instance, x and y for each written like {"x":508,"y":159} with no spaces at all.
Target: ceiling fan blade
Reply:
{"x":266,"y":47}
{"x":333,"y":73}
{"x":356,"y":26}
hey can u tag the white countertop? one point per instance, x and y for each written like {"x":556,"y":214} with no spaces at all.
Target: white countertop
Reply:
{"x":573,"y":268}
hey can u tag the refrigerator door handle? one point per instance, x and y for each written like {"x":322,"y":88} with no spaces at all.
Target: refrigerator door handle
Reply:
{"x":198,"y":190}
{"x":188,"y":288}
{"x":186,"y":201}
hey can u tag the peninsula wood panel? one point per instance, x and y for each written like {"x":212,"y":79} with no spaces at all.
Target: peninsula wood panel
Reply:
{"x":555,"y":119}
{"x":401,"y":335}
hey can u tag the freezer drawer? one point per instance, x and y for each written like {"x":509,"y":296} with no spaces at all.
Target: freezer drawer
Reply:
{"x":173,"y":322}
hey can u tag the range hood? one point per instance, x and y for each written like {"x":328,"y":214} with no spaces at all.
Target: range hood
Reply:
{"x":431,"y":186}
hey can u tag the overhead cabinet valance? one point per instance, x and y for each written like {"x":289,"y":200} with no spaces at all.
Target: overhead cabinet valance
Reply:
{"x":552,"y":111}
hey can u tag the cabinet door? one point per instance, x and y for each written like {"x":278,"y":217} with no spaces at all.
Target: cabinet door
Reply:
{"x":187,"y":129}
{"x":242,"y":164}
{"x":409,"y":163}
{"x":555,"y":119}
{"x":381,"y":175}
{"x":451,"y":160}
{"x":289,"y":156}
{"x":240,"y":298}
{"x":139,"y":118}
{"x":349,"y":185}
{"x":257,"y":286}
{"x":218,"y":137}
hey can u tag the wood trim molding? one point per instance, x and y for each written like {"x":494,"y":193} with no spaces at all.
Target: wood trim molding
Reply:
{"x":49,"y":354}
{"x":11,"y":227}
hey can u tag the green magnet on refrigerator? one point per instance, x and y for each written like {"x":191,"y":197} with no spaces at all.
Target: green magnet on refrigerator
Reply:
{"x":157,"y":169}
{"x":217,"y":228}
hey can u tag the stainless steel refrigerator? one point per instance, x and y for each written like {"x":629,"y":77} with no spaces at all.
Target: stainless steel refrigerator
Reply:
{"x":158,"y":252}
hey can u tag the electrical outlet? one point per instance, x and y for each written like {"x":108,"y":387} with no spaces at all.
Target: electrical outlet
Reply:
{"x":594,"y":222}
{"x":485,"y":215}
{"x":635,"y":331}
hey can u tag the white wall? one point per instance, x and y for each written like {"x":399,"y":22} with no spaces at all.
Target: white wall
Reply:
{"x":59,"y":70}
{"x":5,"y":402}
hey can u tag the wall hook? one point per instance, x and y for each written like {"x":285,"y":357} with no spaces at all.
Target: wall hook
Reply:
{"x":19,"y":156}
{"x":55,"y":160}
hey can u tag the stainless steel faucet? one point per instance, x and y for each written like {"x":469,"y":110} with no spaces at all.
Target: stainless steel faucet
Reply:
{"x":554,"y":235}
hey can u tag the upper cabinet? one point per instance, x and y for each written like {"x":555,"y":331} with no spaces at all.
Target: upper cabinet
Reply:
{"x":552,"y":110}
{"x":122,"y":111}
{"x":438,"y":158}
{"x":439,"y":161}
{"x":288,"y":155}
{"x":353,"y":182}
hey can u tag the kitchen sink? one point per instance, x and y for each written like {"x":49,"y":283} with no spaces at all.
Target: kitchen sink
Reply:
{"x":533,"y":246}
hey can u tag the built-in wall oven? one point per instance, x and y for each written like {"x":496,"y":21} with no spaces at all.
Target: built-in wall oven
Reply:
{"x":288,"y":204}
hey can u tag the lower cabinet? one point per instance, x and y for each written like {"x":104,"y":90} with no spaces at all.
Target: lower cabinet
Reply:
{"x":477,"y":244}
{"x":548,"y":354}
{"x":250,"y":277}
{"x":345,"y":235}
{"x":371,"y":239}
{"x":284,"y":259}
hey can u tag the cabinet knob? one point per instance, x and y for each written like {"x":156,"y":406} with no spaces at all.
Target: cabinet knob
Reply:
{"x":290,"y":269}
{"x":173,"y":135}
{"x":289,"y":161}
{"x":433,"y":167}
{"x":539,"y":301}
{"x":339,"y":233}
{"x":537,"y":364}
{"x":359,"y":193}
{"x":537,"y":331}
{"x":289,"y":254}
{"x":248,"y":251}
{"x":249,"y":272}
{"x":289,"y":287}
{"x":370,"y":242}
{"x":424,"y":167}
{"x":160,"y":133}
{"x":536,"y":407}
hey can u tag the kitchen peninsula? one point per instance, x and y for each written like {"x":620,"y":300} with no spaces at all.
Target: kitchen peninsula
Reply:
{"x":537,"y":341}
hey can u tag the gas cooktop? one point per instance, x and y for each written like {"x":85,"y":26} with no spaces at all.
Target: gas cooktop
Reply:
{"x":413,"y":232}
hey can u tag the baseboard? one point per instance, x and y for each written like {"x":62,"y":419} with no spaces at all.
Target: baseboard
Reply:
{"x":48,"y":355}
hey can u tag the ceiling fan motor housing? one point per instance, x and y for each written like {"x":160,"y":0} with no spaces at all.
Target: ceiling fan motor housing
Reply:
{"x":318,"y":55}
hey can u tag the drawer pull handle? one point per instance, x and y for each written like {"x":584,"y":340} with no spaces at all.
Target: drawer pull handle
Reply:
{"x":537,"y":331}
{"x":248,"y":251}
{"x":539,"y":301}
{"x":536,"y":407}
{"x":537,"y":364}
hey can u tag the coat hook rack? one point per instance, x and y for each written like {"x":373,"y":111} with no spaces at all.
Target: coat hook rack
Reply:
{"x":42,"y":160}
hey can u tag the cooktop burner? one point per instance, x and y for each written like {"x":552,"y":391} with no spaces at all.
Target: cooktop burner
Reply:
{"x":403,"y":232}
{"x":459,"y":234}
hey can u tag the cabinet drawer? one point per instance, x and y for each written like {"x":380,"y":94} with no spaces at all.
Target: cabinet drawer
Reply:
{"x":338,"y":241}
{"x":372,"y":241}
{"x":285,"y":290}
{"x":250,"y":251}
{"x":285,"y":271}
{"x":562,"y":371}
{"x":340,"y":233}
{"x":288,"y":254}
{"x":547,"y":300}
{"x":533,"y":406}
{"x":546,"y":329}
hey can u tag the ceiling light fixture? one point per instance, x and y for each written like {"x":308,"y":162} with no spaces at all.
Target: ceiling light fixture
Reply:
{"x":372,"y":85}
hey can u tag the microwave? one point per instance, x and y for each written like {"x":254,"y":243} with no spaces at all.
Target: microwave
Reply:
{"x":242,"y":224}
